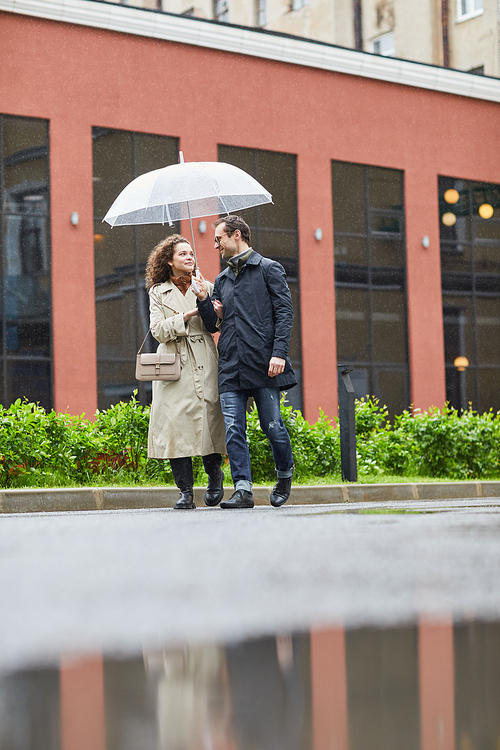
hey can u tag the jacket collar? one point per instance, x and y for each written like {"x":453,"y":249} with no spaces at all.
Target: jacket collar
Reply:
{"x":254,"y":260}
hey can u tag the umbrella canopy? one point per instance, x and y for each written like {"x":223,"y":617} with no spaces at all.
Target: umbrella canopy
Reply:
{"x":185,"y":191}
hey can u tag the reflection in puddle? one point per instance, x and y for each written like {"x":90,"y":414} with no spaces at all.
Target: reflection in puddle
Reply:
{"x":431,"y":686}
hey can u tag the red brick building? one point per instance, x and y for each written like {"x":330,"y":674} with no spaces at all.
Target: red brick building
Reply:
{"x":393,"y":161}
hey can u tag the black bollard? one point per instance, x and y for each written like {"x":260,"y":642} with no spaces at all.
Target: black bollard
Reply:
{"x":347,"y":426}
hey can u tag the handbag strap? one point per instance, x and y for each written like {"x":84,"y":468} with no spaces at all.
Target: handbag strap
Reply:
{"x":145,"y":337}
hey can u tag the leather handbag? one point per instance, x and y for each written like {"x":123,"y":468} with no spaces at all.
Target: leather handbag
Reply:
{"x":156,"y":366}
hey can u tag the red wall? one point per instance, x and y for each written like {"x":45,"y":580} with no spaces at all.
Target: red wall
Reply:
{"x":80,"y":77}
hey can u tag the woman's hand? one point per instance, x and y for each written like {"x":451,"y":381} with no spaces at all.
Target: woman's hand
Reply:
{"x":202,"y":286}
{"x":190,"y":314}
{"x":219,"y":309}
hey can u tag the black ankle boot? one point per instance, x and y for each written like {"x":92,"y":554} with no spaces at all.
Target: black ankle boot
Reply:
{"x":215,"y":489}
{"x":185,"y":502}
{"x":182,"y":469}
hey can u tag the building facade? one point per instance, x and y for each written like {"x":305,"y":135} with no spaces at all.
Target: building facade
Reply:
{"x":386,"y":210}
{"x":459,"y":34}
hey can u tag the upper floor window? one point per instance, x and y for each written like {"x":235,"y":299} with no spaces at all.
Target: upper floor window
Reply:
{"x":297,"y":4}
{"x":385,"y":45}
{"x":260,"y":13}
{"x":221,"y":10}
{"x":468,"y":9}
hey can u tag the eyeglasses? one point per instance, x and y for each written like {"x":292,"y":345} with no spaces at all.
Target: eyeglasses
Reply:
{"x":218,"y":239}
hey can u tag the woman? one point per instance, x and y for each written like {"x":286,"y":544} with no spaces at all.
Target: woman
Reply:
{"x":186,"y":418}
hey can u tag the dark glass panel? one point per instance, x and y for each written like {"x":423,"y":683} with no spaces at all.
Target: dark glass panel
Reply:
{"x":388,"y":277}
{"x":25,"y":162}
{"x":352,"y":314}
{"x":241,"y":157}
{"x":456,"y":268}
{"x":348,"y":188}
{"x":29,"y":379}
{"x":484,"y":192}
{"x":113,"y":166}
{"x":392,"y":390}
{"x":471,"y":395}
{"x":489,"y":388}
{"x":458,"y":233}
{"x":277,"y":173}
{"x":115,"y":382}
{"x":487,"y":258}
{"x":388,"y":317}
{"x":113,"y":252}
{"x":345,"y":273}
{"x":487,"y":229}
{"x":244,"y":158}
{"x":154,"y":152}
{"x":116,"y":311}
{"x":387,"y":253}
{"x":383,"y":689}
{"x":149,"y":235}
{"x":477,"y":684}
{"x":362,"y":381}
{"x":278,"y":245}
{"x":458,"y":331}
{"x":295,"y":353}
{"x":27,"y":285}
{"x":452,"y":377}
{"x":350,"y":250}
{"x":488,"y":330}
{"x":385,"y":188}
{"x":385,"y":224}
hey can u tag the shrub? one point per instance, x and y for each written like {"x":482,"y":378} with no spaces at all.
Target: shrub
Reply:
{"x":39,"y":448}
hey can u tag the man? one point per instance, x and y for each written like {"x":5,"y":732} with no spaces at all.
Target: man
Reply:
{"x":252,"y":306}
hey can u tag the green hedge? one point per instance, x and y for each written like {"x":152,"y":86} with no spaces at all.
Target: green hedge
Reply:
{"x":39,"y":448}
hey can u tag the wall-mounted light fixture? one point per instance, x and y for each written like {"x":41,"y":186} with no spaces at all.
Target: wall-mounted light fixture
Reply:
{"x":202,"y":227}
{"x":461,"y":363}
{"x":318,"y":234}
{"x":425,"y":242}
{"x":75,"y":218}
{"x":449,"y":219}
{"x":486,"y":211}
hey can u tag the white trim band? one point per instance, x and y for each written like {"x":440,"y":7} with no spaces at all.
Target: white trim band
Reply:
{"x":296,"y":51}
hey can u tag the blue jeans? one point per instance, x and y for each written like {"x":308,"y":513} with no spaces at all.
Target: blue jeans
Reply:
{"x":234,"y":405}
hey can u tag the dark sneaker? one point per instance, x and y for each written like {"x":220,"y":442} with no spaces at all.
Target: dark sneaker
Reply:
{"x":281,"y":492}
{"x":239,"y":499}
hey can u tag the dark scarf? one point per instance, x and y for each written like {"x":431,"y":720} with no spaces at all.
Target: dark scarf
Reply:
{"x":182,"y":282}
{"x":240,"y":262}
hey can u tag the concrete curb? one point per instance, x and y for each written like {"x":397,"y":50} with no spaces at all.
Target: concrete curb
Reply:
{"x":122,"y":498}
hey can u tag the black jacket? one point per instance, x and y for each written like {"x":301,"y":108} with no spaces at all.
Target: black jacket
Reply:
{"x":258,"y":318}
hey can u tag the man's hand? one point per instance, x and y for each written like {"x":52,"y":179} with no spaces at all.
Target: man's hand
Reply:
{"x":218,"y":307}
{"x":276,"y":366}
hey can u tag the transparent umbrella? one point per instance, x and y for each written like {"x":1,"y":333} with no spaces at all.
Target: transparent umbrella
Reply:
{"x":186,"y":191}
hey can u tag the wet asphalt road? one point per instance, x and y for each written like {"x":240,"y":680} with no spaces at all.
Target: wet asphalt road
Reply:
{"x":120,"y":580}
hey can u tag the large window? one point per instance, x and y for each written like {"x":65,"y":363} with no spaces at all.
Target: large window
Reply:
{"x":274,"y":228}
{"x":470,"y":273}
{"x":25,"y":299}
{"x":122,"y":307}
{"x":370,"y":280}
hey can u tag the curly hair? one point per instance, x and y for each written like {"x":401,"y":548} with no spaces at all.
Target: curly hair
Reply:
{"x":157,"y":267}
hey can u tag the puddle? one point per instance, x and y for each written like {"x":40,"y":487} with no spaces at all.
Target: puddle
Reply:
{"x":417,"y":687}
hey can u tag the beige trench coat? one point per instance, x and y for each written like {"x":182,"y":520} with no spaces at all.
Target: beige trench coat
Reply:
{"x":186,"y":418}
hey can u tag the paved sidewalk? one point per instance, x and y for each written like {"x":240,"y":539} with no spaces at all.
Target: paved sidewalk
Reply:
{"x":123,"y":498}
